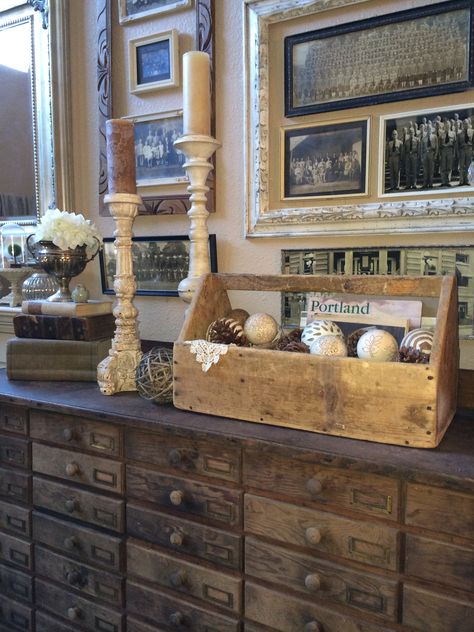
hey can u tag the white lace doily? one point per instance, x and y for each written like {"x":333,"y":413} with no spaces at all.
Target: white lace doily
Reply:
{"x":207,"y":353}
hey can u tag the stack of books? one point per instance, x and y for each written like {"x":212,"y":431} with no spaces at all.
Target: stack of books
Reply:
{"x":60,"y":341}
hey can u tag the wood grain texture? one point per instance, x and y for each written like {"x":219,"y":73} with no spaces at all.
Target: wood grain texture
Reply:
{"x":46,"y":623}
{"x":440,"y":510}
{"x":14,"y":452}
{"x":320,"y":579}
{"x":162,"y":610}
{"x":15,"y":519}
{"x":15,"y":616}
{"x":431,"y":612}
{"x":133,"y":625}
{"x":179,"y":535}
{"x":359,"y":541}
{"x":13,"y":419}
{"x":15,"y":485}
{"x":15,"y":584}
{"x":17,"y":552}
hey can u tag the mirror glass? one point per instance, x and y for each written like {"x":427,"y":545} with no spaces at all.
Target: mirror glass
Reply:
{"x":33,"y":109}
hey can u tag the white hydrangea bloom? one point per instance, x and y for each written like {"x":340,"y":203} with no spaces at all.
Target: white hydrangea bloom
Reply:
{"x":67,"y":230}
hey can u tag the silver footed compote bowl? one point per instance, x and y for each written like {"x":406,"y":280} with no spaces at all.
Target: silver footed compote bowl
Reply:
{"x":62,"y":264}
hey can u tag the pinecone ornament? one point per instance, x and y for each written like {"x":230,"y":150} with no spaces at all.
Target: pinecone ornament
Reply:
{"x":293,"y":336}
{"x":353,"y":339}
{"x":415,"y":356}
{"x":226,"y":331}
{"x":295,"y":346}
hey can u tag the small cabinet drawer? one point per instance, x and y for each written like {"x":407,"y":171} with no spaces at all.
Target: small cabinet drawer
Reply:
{"x":184,"y":536}
{"x":207,"y":458}
{"x":431,"y":612}
{"x":307,"y":476}
{"x":16,"y":584}
{"x":133,"y":625}
{"x":86,"y":614}
{"x":78,"y":503}
{"x":215,"y":503}
{"x":76,"y":576}
{"x":210,"y":586}
{"x":440,"y":510}
{"x":15,"y":616}
{"x":15,"y":519}
{"x":322,"y":531}
{"x":174,"y":613}
{"x":289,"y":614}
{"x":70,"y":431}
{"x":78,"y":467}
{"x":326,"y":581}
{"x":16,"y":551}
{"x":439,"y":562}
{"x":46,"y":623}
{"x":15,"y":485}
{"x":78,"y":542}
{"x":13,"y":419}
{"x":14,"y":452}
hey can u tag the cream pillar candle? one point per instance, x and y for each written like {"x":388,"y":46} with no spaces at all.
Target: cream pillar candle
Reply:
{"x":196,"y":93}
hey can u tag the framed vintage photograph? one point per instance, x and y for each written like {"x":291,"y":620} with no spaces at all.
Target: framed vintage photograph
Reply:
{"x":388,"y":58}
{"x":130,"y":10}
{"x":157,"y":160}
{"x":426,"y":151}
{"x":154,"y":62}
{"x":159,"y":264}
{"x":324,"y":160}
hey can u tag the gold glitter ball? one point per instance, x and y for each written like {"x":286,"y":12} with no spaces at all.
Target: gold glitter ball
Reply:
{"x":260,"y":328}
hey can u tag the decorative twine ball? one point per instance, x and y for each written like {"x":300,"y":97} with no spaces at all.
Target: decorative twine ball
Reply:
{"x":239,"y":315}
{"x":329,"y":345}
{"x":319,"y":328}
{"x":416,"y":346}
{"x":154,"y":375}
{"x":261,"y":329}
{"x":377,"y":345}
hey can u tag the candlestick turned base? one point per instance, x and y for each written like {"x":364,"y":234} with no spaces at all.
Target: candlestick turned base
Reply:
{"x":198,"y":149}
{"x":116,"y":372}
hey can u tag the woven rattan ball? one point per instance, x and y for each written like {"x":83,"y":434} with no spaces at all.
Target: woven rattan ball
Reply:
{"x":154,"y":375}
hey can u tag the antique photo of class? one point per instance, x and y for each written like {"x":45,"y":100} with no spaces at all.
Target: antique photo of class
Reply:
{"x":427,"y":150}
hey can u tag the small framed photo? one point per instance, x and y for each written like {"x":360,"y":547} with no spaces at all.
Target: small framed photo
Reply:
{"x":426,"y":151}
{"x":130,"y":10}
{"x":157,"y":160}
{"x":153,"y":62}
{"x":159,"y":263}
{"x":324,"y":160}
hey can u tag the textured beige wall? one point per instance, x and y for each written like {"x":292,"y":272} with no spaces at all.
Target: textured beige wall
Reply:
{"x":160,"y":317}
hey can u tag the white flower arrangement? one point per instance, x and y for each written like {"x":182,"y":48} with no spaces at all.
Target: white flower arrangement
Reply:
{"x":67,"y":230}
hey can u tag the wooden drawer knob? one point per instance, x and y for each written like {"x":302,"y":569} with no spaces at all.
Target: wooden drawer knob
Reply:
{"x":176,"y":618}
{"x":74,"y":613}
{"x":71,"y":505}
{"x":176,"y":539}
{"x":72,"y":469}
{"x":68,"y":434}
{"x":74,"y":578}
{"x":178,"y":579}
{"x":72,"y":542}
{"x":313,"y":535}
{"x":313,"y":626}
{"x":176,"y":497}
{"x":312,"y":582}
{"x":314,"y":486}
{"x":175,"y":457}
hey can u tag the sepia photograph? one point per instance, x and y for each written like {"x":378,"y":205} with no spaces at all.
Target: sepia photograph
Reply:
{"x":395,"y":57}
{"x":426,"y":151}
{"x":157,"y":160}
{"x":153,"y":62}
{"x":324,"y":160}
{"x":130,"y":10}
{"x":159,"y":264}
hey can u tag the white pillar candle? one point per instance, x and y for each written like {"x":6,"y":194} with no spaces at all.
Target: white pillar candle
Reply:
{"x":196,"y":93}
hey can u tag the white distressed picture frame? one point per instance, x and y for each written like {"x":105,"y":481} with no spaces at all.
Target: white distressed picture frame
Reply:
{"x":138,"y":86}
{"x":125,"y":17}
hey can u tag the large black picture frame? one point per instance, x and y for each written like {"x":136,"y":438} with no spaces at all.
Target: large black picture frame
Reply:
{"x":361,"y":63}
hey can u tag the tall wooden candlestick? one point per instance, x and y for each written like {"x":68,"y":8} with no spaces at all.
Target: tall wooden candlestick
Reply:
{"x":117,"y":372}
{"x":198,"y":146}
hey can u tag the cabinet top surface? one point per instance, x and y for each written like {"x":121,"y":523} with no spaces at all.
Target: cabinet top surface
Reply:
{"x":453,"y":460}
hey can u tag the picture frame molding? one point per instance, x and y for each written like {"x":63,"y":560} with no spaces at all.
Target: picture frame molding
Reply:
{"x":134,"y":44}
{"x":125,"y":18}
{"x":402,"y":216}
{"x":165,"y":238}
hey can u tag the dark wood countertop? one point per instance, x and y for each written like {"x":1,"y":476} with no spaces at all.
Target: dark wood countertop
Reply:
{"x":452,"y":462}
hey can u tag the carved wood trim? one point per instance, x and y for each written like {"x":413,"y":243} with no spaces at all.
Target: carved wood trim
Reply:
{"x":104,"y":90}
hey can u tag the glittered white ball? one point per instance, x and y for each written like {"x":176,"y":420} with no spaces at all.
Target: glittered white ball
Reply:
{"x":377,"y":345}
{"x":260,"y":328}
{"x":319,"y":328}
{"x":329,"y":345}
{"x":418,"y":340}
